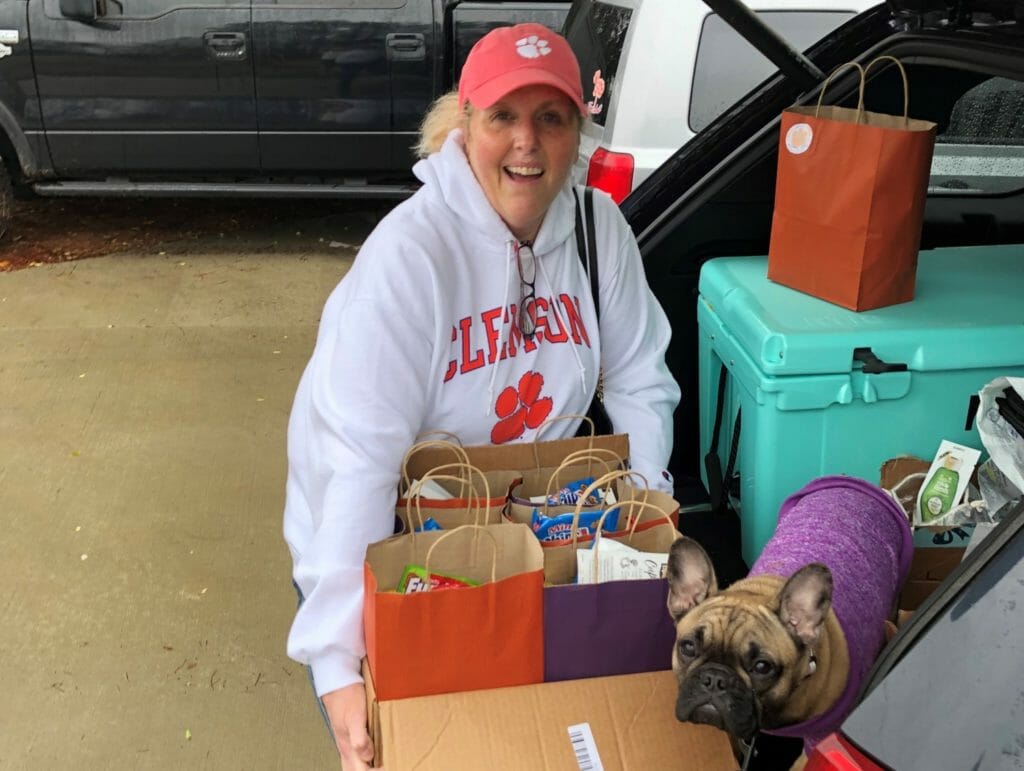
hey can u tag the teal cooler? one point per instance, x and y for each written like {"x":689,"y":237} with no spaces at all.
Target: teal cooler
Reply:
{"x":824,"y":390}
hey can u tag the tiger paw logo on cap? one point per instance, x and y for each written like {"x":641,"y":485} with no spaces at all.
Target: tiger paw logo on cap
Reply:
{"x":532,"y":47}
{"x":799,"y":138}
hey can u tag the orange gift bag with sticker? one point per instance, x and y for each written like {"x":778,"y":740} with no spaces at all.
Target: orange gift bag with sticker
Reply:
{"x":849,"y":201}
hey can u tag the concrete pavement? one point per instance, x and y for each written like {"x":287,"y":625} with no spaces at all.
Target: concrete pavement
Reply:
{"x":145,"y":592}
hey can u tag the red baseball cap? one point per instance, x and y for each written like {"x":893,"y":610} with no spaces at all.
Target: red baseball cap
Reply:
{"x":507,"y":58}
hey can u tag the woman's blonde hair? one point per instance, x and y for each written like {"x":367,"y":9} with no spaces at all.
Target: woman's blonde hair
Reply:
{"x":443,"y":116}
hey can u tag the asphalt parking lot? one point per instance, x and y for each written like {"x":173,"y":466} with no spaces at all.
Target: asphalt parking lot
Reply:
{"x":146,"y":593}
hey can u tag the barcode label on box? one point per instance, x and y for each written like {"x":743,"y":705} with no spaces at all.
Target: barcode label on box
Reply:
{"x":585,"y":747}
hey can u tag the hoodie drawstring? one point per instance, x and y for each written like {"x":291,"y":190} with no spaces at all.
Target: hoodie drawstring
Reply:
{"x":572,"y":343}
{"x":509,"y":257}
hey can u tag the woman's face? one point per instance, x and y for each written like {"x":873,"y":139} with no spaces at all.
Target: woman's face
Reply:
{"x":520,"y":149}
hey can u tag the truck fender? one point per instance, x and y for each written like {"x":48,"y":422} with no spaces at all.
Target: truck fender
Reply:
{"x":22,"y":148}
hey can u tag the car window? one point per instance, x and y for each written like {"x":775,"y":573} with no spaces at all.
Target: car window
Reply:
{"x":981,"y":150}
{"x":728,"y":66}
{"x":597,"y":33}
{"x":956,"y":699}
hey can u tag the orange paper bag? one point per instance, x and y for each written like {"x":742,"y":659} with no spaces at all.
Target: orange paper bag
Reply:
{"x":489,"y":635}
{"x":849,"y":201}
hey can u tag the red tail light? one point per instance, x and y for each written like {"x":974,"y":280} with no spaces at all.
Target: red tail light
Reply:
{"x":611,"y":172}
{"x":835,"y":754}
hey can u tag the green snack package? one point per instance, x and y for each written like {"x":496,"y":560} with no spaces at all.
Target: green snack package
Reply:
{"x":414,"y":579}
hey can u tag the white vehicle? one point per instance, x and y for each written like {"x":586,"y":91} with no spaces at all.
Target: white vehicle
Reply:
{"x":655,"y":72}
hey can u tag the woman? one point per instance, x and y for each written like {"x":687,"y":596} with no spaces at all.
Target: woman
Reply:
{"x":471,"y":286}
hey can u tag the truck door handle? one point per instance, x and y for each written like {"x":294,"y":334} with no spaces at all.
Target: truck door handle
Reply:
{"x":405,"y":46}
{"x":225,"y":45}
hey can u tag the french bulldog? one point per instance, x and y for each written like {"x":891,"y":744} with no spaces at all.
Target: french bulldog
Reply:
{"x":785,"y":649}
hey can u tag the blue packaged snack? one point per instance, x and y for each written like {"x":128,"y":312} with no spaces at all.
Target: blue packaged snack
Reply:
{"x":570,"y":495}
{"x":428,"y":524}
{"x":559,"y":526}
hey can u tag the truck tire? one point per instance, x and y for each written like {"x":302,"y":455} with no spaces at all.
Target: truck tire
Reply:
{"x":6,"y":201}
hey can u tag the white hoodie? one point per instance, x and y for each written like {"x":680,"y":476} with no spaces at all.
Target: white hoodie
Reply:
{"x":421,"y":335}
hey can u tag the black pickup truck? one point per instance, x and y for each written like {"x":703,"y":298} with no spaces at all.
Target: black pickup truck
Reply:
{"x":228,"y":97}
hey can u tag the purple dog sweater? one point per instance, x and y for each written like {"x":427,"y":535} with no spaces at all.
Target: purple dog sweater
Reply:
{"x":863,"y":537}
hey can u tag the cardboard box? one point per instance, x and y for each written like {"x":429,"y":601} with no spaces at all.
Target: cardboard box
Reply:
{"x":630,"y":724}
{"x":937,"y":551}
{"x":928,"y":569}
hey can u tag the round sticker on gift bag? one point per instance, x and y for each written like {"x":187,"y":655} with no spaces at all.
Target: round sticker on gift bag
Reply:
{"x":799,"y":138}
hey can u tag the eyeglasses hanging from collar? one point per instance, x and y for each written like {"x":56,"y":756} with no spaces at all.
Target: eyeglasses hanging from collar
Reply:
{"x":527,"y":265}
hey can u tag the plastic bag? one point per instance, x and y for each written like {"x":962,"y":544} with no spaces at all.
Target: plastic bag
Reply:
{"x":1002,"y":441}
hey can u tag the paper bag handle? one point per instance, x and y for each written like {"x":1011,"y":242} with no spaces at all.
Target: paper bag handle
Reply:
{"x":597,"y":484}
{"x":836,"y":71}
{"x":467,"y":480}
{"x":479,"y":529}
{"x":611,"y":476}
{"x":903,"y":73}
{"x":593,"y":453}
{"x":456,"y":449}
{"x":645,"y":505}
{"x":632,"y":530}
{"x":576,"y":458}
{"x":549,"y":421}
{"x":476,"y":503}
{"x":863,"y":77}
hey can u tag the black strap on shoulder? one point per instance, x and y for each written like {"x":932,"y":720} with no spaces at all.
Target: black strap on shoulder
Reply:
{"x":581,"y":247}
{"x":588,"y":206}
{"x":586,"y":247}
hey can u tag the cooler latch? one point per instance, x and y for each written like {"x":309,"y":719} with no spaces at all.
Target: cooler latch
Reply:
{"x":873,"y":365}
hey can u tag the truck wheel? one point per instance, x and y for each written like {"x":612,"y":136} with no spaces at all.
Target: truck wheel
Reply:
{"x":6,"y":200}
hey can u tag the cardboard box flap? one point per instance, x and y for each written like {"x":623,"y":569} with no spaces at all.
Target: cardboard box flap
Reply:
{"x":631,"y":719}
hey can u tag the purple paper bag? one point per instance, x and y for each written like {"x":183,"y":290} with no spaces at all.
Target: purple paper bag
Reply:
{"x":614,"y":628}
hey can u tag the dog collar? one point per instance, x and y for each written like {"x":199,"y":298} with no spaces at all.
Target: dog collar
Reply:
{"x":748,"y":752}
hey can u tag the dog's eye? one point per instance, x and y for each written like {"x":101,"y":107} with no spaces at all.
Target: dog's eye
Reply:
{"x":688,"y":648}
{"x":763,"y":667}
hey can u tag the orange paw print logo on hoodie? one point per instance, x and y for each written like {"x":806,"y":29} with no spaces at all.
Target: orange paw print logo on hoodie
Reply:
{"x":520,"y":408}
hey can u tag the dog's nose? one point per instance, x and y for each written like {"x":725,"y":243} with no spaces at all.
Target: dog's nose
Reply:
{"x":713,"y":681}
{"x":715,"y":678}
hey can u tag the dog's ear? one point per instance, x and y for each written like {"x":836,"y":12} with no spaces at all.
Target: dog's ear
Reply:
{"x":691,"y":577}
{"x":804,"y":603}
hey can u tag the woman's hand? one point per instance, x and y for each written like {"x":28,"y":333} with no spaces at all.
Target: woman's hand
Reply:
{"x":346,"y":709}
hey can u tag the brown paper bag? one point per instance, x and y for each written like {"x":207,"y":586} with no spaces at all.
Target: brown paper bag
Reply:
{"x":464,"y":481}
{"x":640,"y":508}
{"x":849,"y":201}
{"x":521,"y":456}
{"x":476,"y":508}
{"x":546,"y":482}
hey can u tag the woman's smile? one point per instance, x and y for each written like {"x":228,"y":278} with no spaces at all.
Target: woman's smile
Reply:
{"x":524,"y":173}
